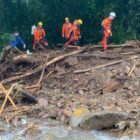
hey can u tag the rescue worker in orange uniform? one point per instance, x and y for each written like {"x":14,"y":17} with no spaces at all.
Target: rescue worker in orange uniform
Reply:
{"x":75,"y":34}
{"x":106,"y":30}
{"x":66,"y":29}
{"x":39,"y":36}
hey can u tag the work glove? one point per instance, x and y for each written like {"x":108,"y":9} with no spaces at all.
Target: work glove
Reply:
{"x":24,"y":46}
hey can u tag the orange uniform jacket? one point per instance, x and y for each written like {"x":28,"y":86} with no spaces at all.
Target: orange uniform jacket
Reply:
{"x":39,"y":33}
{"x":66,"y":30}
{"x":75,"y":30}
{"x":107,"y":23}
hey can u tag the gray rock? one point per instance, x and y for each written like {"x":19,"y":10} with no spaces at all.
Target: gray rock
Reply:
{"x":42,"y":102}
{"x":71,"y":61}
{"x":104,"y":120}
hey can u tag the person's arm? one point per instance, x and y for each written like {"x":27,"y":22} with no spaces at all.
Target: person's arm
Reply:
{"x":63,"y":31}
{"x":79,"y":33}
{"x":44,"y":33}
{"x":22,"y":42}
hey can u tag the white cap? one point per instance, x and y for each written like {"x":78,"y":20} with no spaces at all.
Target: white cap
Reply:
{"x":113,"y":14}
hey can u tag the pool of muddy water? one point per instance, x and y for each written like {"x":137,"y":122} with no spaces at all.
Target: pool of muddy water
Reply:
{"x":43,"y":131}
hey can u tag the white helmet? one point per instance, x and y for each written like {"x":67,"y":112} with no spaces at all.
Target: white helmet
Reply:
{"x":113,"y":14}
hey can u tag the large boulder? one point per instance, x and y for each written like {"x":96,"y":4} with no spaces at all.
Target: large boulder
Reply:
{"x":105,"y":120}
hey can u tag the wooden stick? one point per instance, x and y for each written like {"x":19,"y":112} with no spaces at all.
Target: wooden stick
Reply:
{"x":42,"y":74}
{"x":7,"y":97}
{"x":98,"y":55}
{"x":45,"y":77}
{"x":127,"y":53}
{"x":103,"y":65}
{"x":130,"y":73}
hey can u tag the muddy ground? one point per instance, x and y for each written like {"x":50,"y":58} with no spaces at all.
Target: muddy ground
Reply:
{"x":115,"y":87}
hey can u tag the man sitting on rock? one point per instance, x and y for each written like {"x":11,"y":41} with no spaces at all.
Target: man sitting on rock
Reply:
{"x":16,"y":42}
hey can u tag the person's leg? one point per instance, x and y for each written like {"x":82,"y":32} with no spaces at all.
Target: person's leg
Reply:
{"x":78,"y":44}
{"x":21,"y":47}
{"x":104,"y":42}
{"x":103,"y":37}
{"x":44,"y":43}
{"x":68,"y":42}
{"x":106,"y":38}
{"x":34,"y":45}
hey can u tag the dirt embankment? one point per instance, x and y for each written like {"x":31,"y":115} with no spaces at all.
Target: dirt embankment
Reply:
{"x":89,"y":78}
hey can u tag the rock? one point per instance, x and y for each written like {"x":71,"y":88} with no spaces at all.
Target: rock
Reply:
{"x":127,"y":70}
{"x":103,"y":120}
{"x":42,"y":102}
{"x":45,"y":116}
{"x":54,"y":115}
{"x":111,"y":86}
{"x":71,"y":61}
{"x":121,"y":125}
{"x":78,"y":116}
{"x":81,"y":92}
{"x":132,"y":125}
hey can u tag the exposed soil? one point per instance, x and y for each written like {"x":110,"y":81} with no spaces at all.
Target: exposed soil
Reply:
{"x":63,"y":91}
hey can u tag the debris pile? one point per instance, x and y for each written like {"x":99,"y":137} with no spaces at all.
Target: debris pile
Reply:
{"x":62,"y":81}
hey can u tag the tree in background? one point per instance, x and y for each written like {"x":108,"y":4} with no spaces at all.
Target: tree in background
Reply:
{"x":22,"y":14}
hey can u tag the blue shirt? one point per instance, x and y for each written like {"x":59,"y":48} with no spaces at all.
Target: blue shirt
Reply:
{"x":16,"y":42}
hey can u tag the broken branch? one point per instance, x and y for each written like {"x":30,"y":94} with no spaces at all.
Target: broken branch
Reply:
{"x":103,"y":65}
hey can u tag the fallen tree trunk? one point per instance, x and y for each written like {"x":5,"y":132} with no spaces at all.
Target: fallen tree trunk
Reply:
{"x":12,"y":79}
{"x":103,"y":65}
{"x":23,"y":59}
{"x":128,"y":44}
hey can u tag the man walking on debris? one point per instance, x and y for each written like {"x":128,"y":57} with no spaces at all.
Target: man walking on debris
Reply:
{"x":66,"y":29}
{"x":75,"y":34}
{"x":39,"y":37}
{"x":106,"y":30}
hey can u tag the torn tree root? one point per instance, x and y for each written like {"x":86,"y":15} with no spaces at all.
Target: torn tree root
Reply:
{"x":102,"y":66}
{"x":56,"y":59}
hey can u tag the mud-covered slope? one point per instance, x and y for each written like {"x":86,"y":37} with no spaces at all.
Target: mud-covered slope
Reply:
{"x":109,"y":87}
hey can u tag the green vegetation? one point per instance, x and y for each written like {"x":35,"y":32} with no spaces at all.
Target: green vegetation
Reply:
{"x":22,"y":14}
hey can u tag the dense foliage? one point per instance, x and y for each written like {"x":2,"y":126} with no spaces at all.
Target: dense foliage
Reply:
{"x":22,"y":14}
